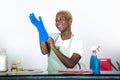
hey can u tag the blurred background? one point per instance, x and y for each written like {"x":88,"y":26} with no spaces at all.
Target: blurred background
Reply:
{"x":96,"y":22}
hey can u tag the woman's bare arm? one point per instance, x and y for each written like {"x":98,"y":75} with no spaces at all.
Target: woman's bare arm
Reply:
{"x":69,"y":62}
{"x":44,"y":48}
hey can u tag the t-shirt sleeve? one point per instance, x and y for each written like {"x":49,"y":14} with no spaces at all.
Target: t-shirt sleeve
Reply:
{"x":77,"y":47}
{"x":54,"y":35}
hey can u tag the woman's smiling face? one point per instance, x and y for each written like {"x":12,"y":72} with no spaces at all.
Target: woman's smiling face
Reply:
{"x":62,"y":22}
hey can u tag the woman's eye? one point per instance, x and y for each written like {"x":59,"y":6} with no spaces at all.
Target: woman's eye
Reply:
{"x":62,"y":19}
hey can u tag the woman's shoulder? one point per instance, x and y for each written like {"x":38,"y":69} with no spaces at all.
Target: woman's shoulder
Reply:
{"x":77,"y":39}
{"x":54,"y":35}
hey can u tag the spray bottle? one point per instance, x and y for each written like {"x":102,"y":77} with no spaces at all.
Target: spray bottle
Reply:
{"x":94,"y":62}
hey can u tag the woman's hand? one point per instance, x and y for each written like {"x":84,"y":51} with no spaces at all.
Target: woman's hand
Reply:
{"x":51,"y":43}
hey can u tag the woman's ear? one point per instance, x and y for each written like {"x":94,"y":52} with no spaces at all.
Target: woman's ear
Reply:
{"x":70,"y":21}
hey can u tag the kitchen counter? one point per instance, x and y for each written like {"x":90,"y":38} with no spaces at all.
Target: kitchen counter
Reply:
{"x":25,"y":72}
{"x":42,"y":75}
{"x":111,"y":72}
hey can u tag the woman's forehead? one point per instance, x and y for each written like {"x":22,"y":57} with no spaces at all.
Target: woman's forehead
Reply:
{"x":61,"y":15}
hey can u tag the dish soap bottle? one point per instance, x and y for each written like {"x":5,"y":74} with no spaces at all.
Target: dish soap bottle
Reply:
{"x":94,"y":62}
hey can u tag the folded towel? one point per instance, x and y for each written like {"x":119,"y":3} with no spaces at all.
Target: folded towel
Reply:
{"x":74,"y":71}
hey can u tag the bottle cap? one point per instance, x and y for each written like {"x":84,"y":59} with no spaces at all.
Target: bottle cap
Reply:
{"x":19,"y":62}
{"x":94,"y":49}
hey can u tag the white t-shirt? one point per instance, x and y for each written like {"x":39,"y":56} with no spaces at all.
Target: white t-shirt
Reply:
{"x":76,"y":45}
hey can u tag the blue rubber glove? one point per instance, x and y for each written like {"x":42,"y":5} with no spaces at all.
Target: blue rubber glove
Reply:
{"x":43,"y":35}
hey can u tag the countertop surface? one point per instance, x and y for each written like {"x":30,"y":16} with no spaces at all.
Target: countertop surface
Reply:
{"x":25,"y":72}
{"x":43,"y":75}
{"x":41,"y":72}
{"x":111,"y":72}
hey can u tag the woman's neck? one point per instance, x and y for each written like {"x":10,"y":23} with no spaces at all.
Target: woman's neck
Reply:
{"x":66,"y":35}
